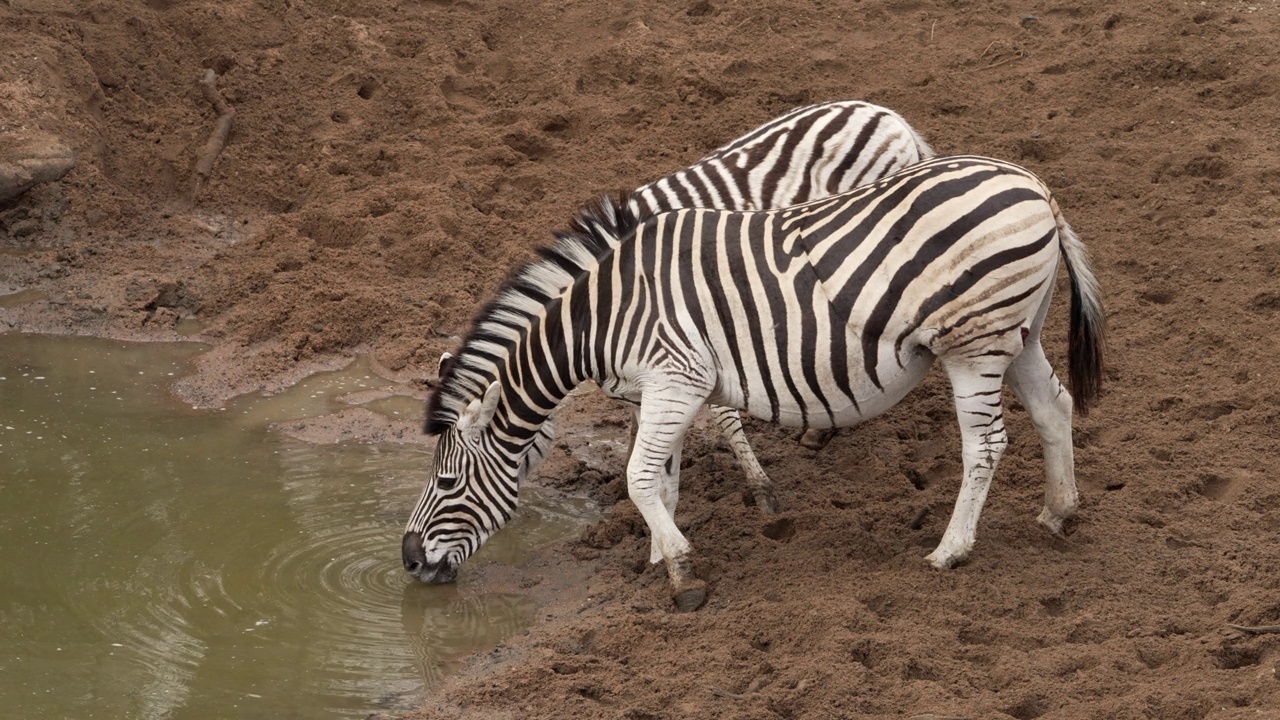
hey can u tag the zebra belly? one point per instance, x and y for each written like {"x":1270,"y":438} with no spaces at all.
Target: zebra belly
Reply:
{"x":835,"y":409}
{"x":895,"y":386}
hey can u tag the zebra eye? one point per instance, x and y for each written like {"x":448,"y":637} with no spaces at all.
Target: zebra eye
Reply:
{"x":447,"y":482}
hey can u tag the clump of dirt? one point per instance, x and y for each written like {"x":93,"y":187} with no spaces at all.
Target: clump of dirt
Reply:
{"x":389,"y":161}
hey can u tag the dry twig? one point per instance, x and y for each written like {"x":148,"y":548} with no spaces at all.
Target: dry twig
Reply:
{"x":1256,"y":629}
{"x":726,"y":694}
{"x":1017,"y":55}
{"x":217,"y":138}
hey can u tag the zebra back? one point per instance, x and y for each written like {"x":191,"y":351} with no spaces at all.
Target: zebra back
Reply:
{"x":807,"y":154}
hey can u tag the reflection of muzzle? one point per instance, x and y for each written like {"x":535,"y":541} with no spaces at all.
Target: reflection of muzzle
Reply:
{"x":415,"y":562}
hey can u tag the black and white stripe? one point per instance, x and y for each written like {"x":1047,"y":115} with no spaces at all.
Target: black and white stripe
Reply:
{"x":824,"y":314}
{"x":807,"y":154}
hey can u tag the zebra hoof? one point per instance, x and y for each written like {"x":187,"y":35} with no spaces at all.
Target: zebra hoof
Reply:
{"x":763,"y":498}
{"x":1050,"y":522}
{"x":767,"y":501}
{"x":943,"y":560}
{"x":816,"y":439}
{"x":1058,"y":525}
{"x":691,"y":596}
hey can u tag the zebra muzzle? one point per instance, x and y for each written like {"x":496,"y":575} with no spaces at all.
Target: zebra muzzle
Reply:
{"x":415,"y":562}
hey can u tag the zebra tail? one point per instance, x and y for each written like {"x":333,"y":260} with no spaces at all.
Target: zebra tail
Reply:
{"x":1087,"y":340}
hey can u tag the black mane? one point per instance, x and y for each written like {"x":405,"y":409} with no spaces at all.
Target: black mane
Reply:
{"x":600,"y":227}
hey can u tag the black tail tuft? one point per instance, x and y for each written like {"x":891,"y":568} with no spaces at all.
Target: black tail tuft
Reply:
{"x":1085,"y":344}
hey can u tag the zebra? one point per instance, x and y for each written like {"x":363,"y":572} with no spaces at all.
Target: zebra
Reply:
{"x":821,"y":315}
{"x":441,"y":627}
{"x":805,"y":154}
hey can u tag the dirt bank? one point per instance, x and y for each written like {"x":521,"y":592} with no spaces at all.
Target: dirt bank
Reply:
{"x":389,"y":160}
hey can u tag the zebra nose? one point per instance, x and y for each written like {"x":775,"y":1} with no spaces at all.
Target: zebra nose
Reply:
{"x":415,"y":558}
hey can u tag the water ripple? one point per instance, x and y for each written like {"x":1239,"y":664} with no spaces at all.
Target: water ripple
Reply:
{"x":205,"y":568}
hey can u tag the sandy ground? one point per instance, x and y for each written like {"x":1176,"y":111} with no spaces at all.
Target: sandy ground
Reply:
{"x":389,"y":161}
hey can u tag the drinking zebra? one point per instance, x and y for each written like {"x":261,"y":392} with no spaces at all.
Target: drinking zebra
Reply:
{"x":806,"y":154}
{"x":820,"y":315}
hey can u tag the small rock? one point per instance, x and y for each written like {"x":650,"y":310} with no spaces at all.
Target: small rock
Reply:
{"x":31,"y":160}
{"x":54,"y":270}
{"x":23,"y":228}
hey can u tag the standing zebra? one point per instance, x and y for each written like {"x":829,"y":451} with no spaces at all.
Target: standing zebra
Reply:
{"x":821,"y":315}
{"x":806,"y":154}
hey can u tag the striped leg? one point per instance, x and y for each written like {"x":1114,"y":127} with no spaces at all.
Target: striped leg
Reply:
{"x":1049,"y":405}
{"x":669,"y":490}
{"x":668,"y":487}
{"x":729,"y":422}
{"x":976,"y":386}
{"x":654,"y":467}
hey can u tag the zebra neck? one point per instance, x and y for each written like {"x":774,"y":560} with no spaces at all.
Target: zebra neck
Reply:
{"x":537,"y":375}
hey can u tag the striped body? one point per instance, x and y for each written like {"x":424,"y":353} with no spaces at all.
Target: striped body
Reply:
{"x":823,"y":314}
{"x":861,"y":280}
{"x":806,"y":154}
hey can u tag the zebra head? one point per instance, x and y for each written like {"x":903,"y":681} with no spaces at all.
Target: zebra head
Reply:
{"x":472,"y":490}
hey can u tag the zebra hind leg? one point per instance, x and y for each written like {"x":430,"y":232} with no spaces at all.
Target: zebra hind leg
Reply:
{"x":976,"y":386}
{"x":665,"y":416}
{"x":1049,"y":405}
{"x":729,"y":422}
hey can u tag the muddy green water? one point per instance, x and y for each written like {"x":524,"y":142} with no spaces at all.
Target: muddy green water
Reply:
{"x":162,"y":562}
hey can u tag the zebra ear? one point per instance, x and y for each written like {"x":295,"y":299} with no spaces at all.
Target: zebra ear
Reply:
{"x":480,"y":412}
{"x":489,"y":405}
{"x":446,"y":362}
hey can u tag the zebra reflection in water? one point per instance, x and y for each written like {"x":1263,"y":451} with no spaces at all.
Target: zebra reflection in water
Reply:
{"x":444,"y":625}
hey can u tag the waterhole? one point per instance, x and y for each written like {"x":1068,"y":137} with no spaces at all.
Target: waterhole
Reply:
{"x":158,"y":561}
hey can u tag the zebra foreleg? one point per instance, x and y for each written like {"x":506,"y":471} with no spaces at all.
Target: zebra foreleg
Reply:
{"x":670,"y":492}
{"x":654,"y":466}
{"x":976,"y":387}
{"x":729,"y":422}
{"x":1049,"y":405}
{"x":668,"y":487}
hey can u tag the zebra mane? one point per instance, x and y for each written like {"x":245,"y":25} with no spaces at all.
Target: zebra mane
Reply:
{"x":600,"y":227}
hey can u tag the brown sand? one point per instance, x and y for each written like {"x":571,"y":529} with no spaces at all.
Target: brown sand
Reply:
{"x":389,"y":160}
